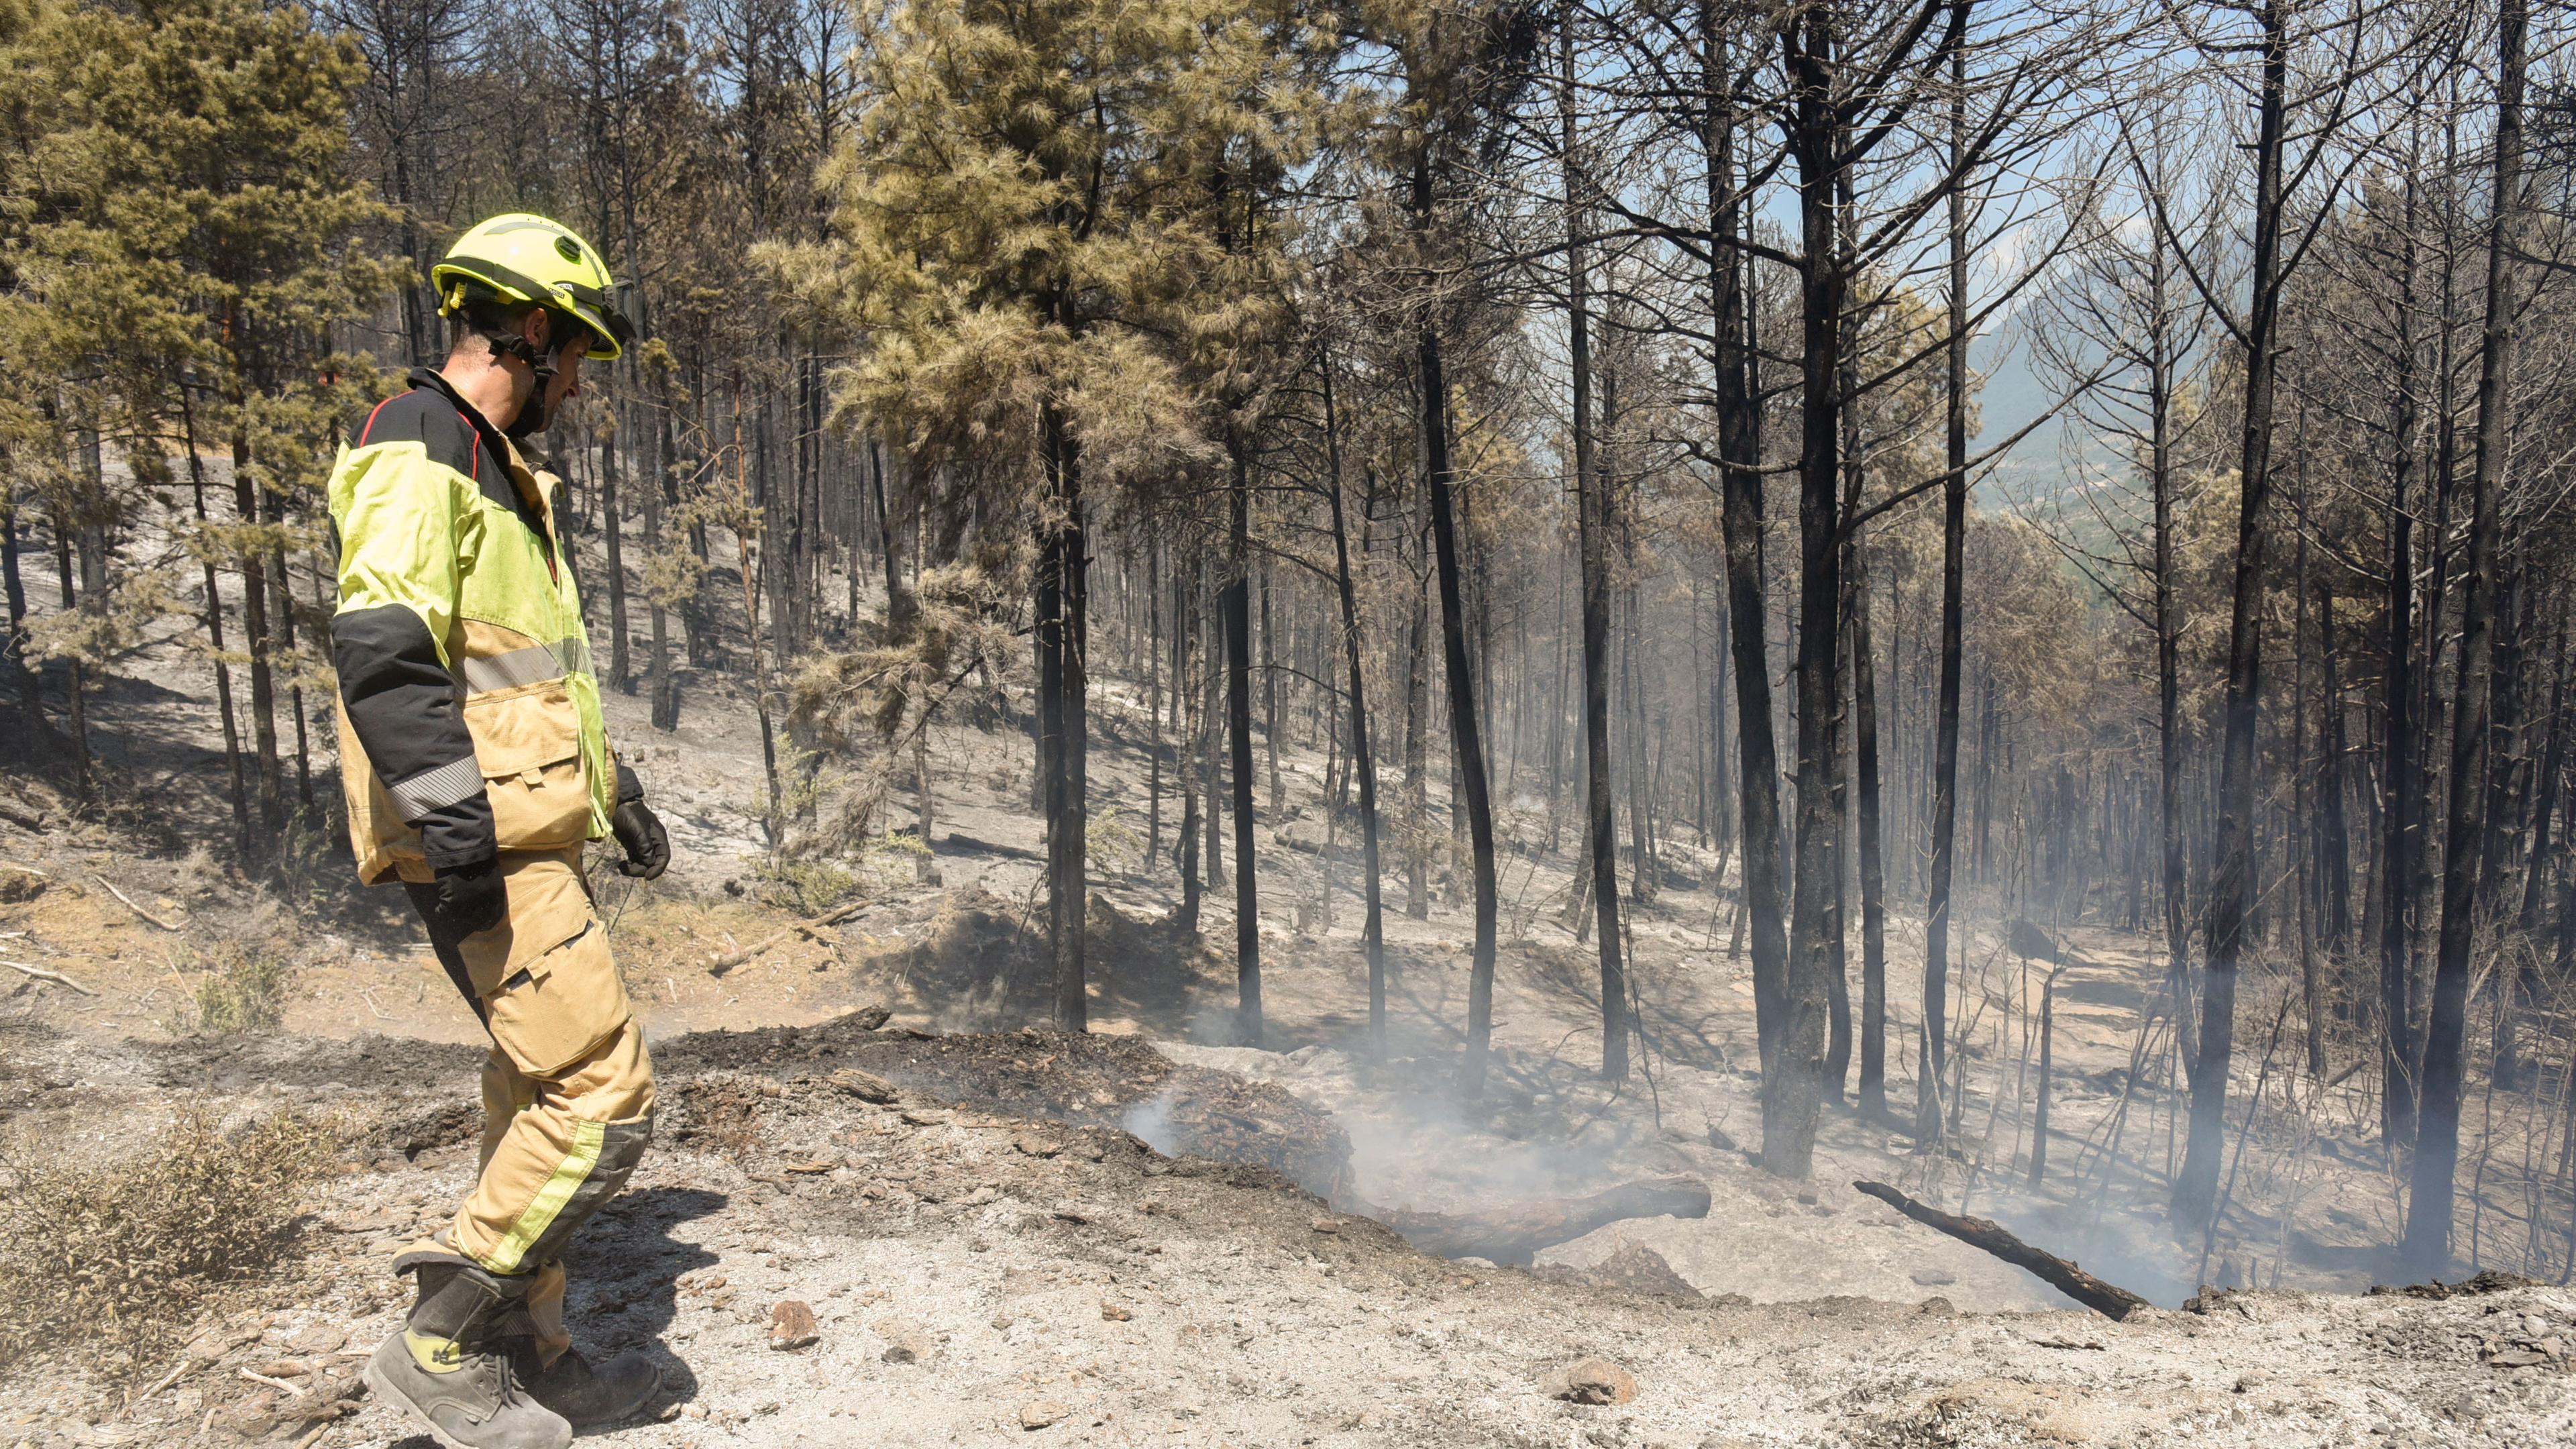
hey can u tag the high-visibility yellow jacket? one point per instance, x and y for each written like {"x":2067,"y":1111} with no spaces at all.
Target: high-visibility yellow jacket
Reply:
{"x":469,"y":720}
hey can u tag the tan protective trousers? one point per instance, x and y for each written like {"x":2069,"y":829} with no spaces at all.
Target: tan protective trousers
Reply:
{"x":567,"y":1088}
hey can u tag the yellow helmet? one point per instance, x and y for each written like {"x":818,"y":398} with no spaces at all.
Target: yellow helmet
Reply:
{"x":521,"y":257}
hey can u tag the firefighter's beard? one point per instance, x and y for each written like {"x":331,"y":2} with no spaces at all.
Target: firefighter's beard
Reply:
{"x":538,"y":412}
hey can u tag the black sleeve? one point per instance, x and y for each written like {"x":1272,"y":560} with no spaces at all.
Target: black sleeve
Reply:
{"x":403,"y":706}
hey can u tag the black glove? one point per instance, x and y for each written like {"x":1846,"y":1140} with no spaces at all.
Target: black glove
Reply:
{"x":473,"y":897}
{"x":639,"y":831}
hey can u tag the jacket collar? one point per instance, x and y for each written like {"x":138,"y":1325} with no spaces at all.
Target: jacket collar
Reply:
{"x":527,"y":496}
{"x":493,"y":442}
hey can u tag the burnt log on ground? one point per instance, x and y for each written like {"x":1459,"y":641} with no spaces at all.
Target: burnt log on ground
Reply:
{"x":1513,"y":1233}
{"x":2108,"y":1299}
{"x":957,"y":840}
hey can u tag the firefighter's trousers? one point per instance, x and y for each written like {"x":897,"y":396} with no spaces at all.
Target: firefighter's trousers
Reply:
{"x":567,"y":1088}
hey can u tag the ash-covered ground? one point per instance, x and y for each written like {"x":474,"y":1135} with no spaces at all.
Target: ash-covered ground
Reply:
{"x":989,"y":1256}
{"x":1150,"y":1235}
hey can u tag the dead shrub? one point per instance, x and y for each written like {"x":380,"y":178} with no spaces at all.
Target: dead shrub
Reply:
{"x":244,"y":989}
{"x":121,"y":1255}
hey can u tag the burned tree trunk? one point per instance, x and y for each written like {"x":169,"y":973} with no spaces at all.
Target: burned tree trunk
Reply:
{"x":2427,"y":1247}
{"x":1417,"y":757}
{"x":1465,"y":736}
{"x":1187,"y":624}
{"x":17,"y":653}
{"x":270,"y":792}
{"x":1514,"y":1233}
{"x":612,"y":525}
{"x":1945,"y":709}
{"x":1373,"y":928}
{"x":2335,"y":837}
{"x":2231,"y":889}
{"x":2107,"y":1299}
{"x":1837,"y":954}
{"x":1793,"y":1085}
{"x":1873,"y":870}
{"x":1064,"y":723}
{"x":2047,"y":1066}
{"x":1237,"y":612}
{"x":1592,"y":526}
{"x":1739,"y":432}
{"x":1466,"y":740}
{"x":2399,"y":840}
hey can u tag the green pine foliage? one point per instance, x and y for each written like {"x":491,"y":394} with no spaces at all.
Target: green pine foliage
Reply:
{"x":183,"y":273}
{"x":1016,"y":225}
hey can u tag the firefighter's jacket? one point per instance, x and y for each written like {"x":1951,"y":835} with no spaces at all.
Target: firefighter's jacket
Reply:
{"x":469,"y":719}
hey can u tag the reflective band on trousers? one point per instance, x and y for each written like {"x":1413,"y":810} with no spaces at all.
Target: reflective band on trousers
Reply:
{"x":429,"y":790}
{"x":533,"y":665}
{"x":567,"y":1178}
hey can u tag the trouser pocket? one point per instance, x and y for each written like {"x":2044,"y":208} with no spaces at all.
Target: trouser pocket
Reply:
{"x":543,"y":980}
{"x":549,"y":1012}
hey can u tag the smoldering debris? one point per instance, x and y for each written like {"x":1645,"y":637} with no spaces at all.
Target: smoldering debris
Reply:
{"x":1513,"y":1233}
{"x":1200,"y":1113}
{"x":2107,"y":1299}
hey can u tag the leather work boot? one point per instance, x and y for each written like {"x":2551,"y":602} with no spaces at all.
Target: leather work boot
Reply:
{"x":448,"y":1365}
{"x":588,"y":1395}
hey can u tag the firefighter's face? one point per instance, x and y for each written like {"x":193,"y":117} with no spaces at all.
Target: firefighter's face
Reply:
{"x":538,"y":410}
{"x":566,"y":384}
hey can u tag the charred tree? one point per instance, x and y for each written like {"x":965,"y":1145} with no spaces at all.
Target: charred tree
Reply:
{"x":1063,"y":717}
{"x":1873,"y":869}
{"x":2427,"y":1247}
{"x":1945,"y":708}
{"x":1793,"y":1084}
{"x":1466,"y":742}
{"x":1739,"y":433}
{"x":2231,"y":888}
{"x":1592,"y":525}
{"x":1363,"y":759}
{"x":1417,"y":756}
{"x":1188,"y":625}
{"x":2400,"y":839}
{"x":16,"y":655}
{"x":1237,"y":612}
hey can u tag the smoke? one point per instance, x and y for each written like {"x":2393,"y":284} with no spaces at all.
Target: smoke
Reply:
{"x":2126,"y":1248}
{"x":1214,"y":1024}
{"x":1416,"y":1146}
{"x":1151,"y":1122}
{"x":1426,"y":1152}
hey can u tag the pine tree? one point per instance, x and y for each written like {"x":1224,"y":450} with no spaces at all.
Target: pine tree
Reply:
{"x":191,"y":254}
{"x":29,"y":113}
{"x":998,"y":228}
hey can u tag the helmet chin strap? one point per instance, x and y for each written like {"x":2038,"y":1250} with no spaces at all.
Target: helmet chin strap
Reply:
{"x":533,"y":414}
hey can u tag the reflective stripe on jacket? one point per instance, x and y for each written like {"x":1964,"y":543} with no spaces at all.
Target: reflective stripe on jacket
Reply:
{"x":469,"y":719}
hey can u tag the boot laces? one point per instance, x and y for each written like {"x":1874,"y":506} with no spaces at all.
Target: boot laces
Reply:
{"x":497,"y":1372}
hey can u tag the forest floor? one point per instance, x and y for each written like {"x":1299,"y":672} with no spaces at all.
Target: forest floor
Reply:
{"x":1009,"y":1237}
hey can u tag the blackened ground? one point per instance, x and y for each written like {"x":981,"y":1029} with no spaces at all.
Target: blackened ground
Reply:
{"x":1107,"y":1081}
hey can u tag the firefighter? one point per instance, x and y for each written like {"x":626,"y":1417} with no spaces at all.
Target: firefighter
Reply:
{"x":476,"y":768}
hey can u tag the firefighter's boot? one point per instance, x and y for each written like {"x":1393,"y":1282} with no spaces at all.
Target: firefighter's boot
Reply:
{"x":450,"y":1365}
{"x":584,"y":1393}
{"x":556,"y":1374}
